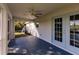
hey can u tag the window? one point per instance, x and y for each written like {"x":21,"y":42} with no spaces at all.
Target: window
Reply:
{"x":58,"y":29}
{"x":74,"y":30}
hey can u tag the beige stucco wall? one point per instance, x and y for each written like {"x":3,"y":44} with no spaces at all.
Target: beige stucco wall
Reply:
{"x":4,"y":29}
{"x":0,"y":29}
{"x":44,"y":29}
{"x":12,"y":27}
{"x":46,"y":23}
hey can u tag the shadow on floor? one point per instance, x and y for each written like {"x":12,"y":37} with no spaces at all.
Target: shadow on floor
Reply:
{"x":31,"y":45}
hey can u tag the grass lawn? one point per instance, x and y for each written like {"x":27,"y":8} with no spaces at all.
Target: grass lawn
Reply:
{"x":19,"y":34}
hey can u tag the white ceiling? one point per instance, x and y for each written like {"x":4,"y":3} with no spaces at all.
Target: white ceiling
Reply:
{"x":18,"y":9}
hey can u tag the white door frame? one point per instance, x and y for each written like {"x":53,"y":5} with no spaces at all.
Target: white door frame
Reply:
{"x":69,"y":47}
{"x":57,"y":43}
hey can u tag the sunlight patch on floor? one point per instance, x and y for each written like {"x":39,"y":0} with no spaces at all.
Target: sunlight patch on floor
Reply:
{"x":50,"y":52}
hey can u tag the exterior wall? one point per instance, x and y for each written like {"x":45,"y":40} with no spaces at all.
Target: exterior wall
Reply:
{"x":46,"y":30}
{"x":4,"y":29}
{"x":0,"y":29}
{"x":45,"y":21}
{"x":11,"y":25}
{"x":11,"y":29}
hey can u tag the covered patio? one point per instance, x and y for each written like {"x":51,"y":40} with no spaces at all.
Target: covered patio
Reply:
{"x":54,"y":28}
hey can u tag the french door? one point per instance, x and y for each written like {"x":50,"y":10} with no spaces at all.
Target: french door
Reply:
{"x":74,"y":33}
{"x":66,"y":32}
{"x":58,"y":35}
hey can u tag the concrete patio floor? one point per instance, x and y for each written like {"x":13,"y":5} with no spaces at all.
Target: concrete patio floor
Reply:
{"x":31,"y":45}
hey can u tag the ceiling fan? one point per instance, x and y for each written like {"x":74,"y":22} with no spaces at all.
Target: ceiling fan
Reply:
{"x":33,"y":14}
{"x":37,"y":12}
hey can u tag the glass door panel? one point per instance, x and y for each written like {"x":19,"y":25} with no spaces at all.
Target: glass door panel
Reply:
{"x":74,"y":30}
{"x":58,"y":29}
